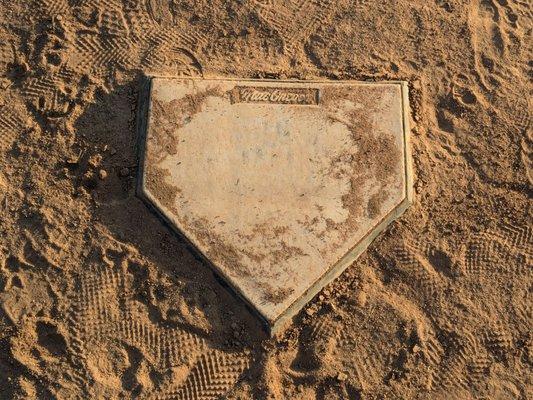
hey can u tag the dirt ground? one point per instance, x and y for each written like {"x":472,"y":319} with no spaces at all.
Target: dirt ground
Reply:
{"x":100,"y":300}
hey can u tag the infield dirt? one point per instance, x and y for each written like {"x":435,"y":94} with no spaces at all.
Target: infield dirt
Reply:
{"x":99,"y":299}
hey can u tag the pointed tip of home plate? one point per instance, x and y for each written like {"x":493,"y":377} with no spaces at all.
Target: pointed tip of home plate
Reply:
{"x":280,"y":185}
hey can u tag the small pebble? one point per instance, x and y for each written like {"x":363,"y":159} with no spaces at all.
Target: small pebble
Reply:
{"x":361,"y":298}
{"x":341,"y":376}
{"x":72,"y":161}
{"x":95,"y":160}
{"x":102,"y":174}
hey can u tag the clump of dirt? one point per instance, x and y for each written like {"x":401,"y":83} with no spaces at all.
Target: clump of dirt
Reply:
{"x":99,"y":299}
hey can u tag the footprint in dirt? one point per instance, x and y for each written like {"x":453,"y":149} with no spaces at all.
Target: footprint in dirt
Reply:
{"x":113,"y":319}
{"x":13,"y":119}
{"x":41,"y":346}
{"x":352,"y":351}
{"x":295,"y":21}
{"x":506,"y":249}
{"x":495,"y":35}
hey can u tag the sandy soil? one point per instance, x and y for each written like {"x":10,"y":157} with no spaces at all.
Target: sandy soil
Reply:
{"x":100,"y":300}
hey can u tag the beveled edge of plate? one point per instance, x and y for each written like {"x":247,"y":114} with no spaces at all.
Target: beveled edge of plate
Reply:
{"x":280,"y":323}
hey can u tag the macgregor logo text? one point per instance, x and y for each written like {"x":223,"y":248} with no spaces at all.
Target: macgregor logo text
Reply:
{"x":250,"y":94}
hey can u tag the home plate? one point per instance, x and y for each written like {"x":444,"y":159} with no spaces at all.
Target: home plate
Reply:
{"x":280,"y":185}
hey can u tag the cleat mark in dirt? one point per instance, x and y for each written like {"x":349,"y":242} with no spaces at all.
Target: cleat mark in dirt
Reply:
{"x":104,"y":309}
{"x":412,"y":261}
{"x":213,"y":375}
{"x":505,"y":249}
{"x":12,"y":123}
{"x":295,"y":20}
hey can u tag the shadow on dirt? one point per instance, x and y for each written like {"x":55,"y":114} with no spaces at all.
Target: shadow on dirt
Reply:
{"x":108,"y":170}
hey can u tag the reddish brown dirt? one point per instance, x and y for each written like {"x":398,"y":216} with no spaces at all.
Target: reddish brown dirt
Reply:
{"x":98,"y":299}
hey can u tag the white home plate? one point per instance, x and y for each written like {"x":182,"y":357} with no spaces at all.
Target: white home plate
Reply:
{"x":279,"y":184}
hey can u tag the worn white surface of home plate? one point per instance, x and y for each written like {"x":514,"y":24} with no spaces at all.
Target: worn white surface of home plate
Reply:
{"x":279,"y":184}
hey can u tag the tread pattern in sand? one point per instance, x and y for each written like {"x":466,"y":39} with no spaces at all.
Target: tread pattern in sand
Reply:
{"x":11,"y":125}
{"x":92,"y":54}
{"x":496,"y":44}
{"x":48,"y":94}
{"x":53,"y":7}
{"x":498,"y":339}
{"x":104,"y":309}
{"x":168,"y":48}
{"x":212,"y":376}
{"x":506,"y":249}
{"x":453,"y":369}
{"x":412,"y":261}
{"x":13,"y":116}
{"x":129,"y":36}
{"x":348,"y":342}
{"x":295,"y":20}
{"x":7,"y":55}
{"x":433,"y":353}
{"x":113,"y":23}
